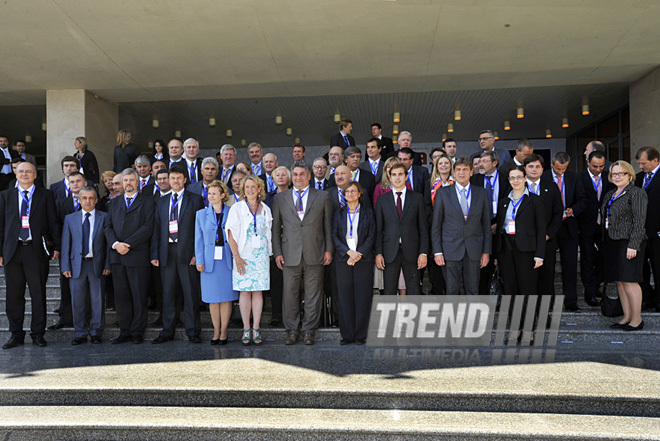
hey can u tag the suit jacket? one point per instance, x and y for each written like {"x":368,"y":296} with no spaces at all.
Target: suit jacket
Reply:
{"x":310,"y":238}
{"x":422,"y":185}
{"x":72,"y":246}
{"x":653,"y":195}
{"x":411,"y":230}
{"x":124,"y":157}
{"x":379,"y":173}
{"x":366,"y":180}
{"x":452,"y":234}
{"x":190,"y":204}
{"x":334,"y":198}
{"x":198,"y":172}
{"x":149,"y":186}
{"x":553,"y":207}
{"x":326,"y":183}
{"x":59,"y":190}
{"x":575,"y":199}
{"x":13,"y":154}
{"x":31,"y":159}
{"x":233,"y":169}
{"x":43,"y":222}
{"x":388,"y":148}
{"x":504,"y":155}
{"x":366,"y":233}
{"x":205,"y":229}
{"x":338,"y":139}
{"x":479,"y":180}
{"x":587,"y":220}
{"x":64,"y":208}
{"x":90,"y":166}
{"x":133,"y":226}
{"x":530,"y":225}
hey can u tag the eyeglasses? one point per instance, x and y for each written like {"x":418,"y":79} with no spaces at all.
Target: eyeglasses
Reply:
{"x":485,"y":138}
{"x":320,"y":166}
{"x":349,"y":191}
{"x":618,"y":175}
{"x":516,"y":178}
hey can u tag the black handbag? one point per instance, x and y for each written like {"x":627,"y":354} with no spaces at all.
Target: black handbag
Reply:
{"x":496,"y":286}
{"x":611,"y":307}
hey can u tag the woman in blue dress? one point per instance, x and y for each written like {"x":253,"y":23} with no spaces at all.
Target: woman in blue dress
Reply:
{"x":214,"y":260}
{"x":249,"y":234}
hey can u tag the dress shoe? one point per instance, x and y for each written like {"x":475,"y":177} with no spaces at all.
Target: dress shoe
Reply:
{"x":618,"y":325}
{"x":195,"y":339}
{"x":158,"y":323}
{"x":591,"y":300}
{"x":292,"y":338}
{"x":96,"y":339}
{"x":360,"y":341}
{"x":161,"y":339}
{"x":40,"y":341}
{"x":223,"y":342}
{"x":60,"y":325}
{"x":308,"y":338}
{"x":572,"y":308}
{"x":121,"y":339}
{"x":634,"y":328}
{"x":78,"y":341}
{"x":138,"y":340}
{"x":345,"y":342}
{"x":12,"y":343}
{"x":215,"y":342}
{"x":274,"y":323}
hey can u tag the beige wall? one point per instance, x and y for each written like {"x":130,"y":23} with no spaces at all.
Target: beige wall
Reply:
{"x":76,"y":112}
{"x":645,"y":112}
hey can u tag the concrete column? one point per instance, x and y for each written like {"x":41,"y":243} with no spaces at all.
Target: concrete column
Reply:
{"x":76,"y":112}
{"x":645,"y":112}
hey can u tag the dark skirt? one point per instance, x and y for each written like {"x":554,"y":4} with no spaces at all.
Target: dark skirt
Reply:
{"x":617,"y":267}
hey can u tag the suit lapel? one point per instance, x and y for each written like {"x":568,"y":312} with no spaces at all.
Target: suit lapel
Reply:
{"x":311,"y":197}
{"x":98,"y":223}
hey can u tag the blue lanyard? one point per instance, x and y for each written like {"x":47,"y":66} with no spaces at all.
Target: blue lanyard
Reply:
{"x":614,"y":197}
{"x":256,"y":169}
{"x":515,"y":206}
{"x":492,"y":186}
{"x":374,"y":170}
{"x":350,"y":220}
{"x":254,"y":215}
{"x":271,"y":183}
{"x":218,"y":222}
{"x":301,"y":196}
{"x":467,"y":197}
{"x":225,"y":174}
{"x":128,"y":205}
{"x":596,"y":187}
{"x":357,"y":175}
{"x":563,"y":188}
{"x":538,"y":188}
{"x":27,"y":201}
{"x":341,"y":195}
{"x":67,"y":188}
{"x":649,"y":181}
{"x":193,"y":172}
{"x":76,"y":204}
{"x":174,"y":205}
{"x":236,"y":198}
{"x":79,"y":157}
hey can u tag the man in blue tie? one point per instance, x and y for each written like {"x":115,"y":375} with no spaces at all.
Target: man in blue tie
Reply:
{"x":343,"y":139}
{"x":84,"y":262}
{"x":256,"y":153}
{"x":209,"y":174}
{"x":270,"y":163}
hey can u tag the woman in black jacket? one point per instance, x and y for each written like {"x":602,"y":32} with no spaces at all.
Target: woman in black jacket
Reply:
{"x":88,"y":164}
{"x":354,"y":236}
{"x":624,"y":214}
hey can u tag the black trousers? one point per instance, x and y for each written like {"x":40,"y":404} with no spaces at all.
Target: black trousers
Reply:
{"x":568,"y":250}
{"x":66,"y":310}
{"x":26,"y":266}
{"x":276,"y":282}
{"x":181,"y":278}
{"x":410,"y":274}
{"x":517,"y":268}
{"x":546,"y":277}
{"x":130,"y":283}
{"x":355,"y":292}
{"x":592,"y":254}
{"x":652,"y":255}
{"x":436,"y":278}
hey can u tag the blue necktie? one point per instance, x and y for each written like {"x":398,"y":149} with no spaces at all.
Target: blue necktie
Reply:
{"x":491,"y":193}
{"x":346,"y":140}
{"x":86,"y":229}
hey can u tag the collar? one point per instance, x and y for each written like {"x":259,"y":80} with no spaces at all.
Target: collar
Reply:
{"x":511,"y":194}
{"x":592,"y":175}
{"x":655,"y":170}
{"x":460,"y":187}
{"x":227,"y":168}
{"x":376,"y":161}
{"x":178,"y":194}
{"x":295,"y":190}
{"x":516,"y":161}
{"x":92,"y":213}
{"x":166,"y":193}
{"x":403,"y":192}
{"x":554,"y":175}
{"x":191,"y":162}
{"x":538,"y":182}
{"x":172,"y":161}
{"x":132,"y":197}
{"x":29,"y":189}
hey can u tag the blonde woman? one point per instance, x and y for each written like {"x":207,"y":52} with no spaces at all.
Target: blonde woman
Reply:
{"x":125,"y":152}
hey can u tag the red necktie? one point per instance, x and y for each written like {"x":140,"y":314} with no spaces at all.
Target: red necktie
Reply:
{"x":399,"y":204}
{"x":144,"y":182}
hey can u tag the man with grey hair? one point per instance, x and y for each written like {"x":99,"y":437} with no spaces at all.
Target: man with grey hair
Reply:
{"x":209,"y":174}
{"x":270,"y":163}
{"x":228,"y":153}
{"x":335,"y":159}
{"x":319,"y":168}
{"x":256,"y":153}
{"x":193,"y":163}
{"x":128,"y":228}
{"x":405,"y":142}
{"x":143,"y":168}
{"x":487,"y":144}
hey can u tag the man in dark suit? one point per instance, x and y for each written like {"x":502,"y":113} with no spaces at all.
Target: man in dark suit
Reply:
{"x":298,"y":213}
{"x":193,"y":162}
{"x":648,"y":159}
{"x":461,"y":232}
{"x":487,"y":144}
{"x":375,"y":162}
{"x":61,"y":188}
{"x":270,"y":163}
{"x":128,"y":229}
{"x":572,"y":194}
{"x":256,"y":154}
{"x":554,"y":209}
{"x":401,"y":234}
{"x":6,"y":155}
{"x":405,"y":142}
{"x":450,"y":147}
{"x":142,"y":166}
{"x":418,"y":178}
{"x":343,"y":139}
{"x":593,"y":146}
{"x":84,"y":263}
{"x":14,"y":183}
{"x":19,"y":147}
{"x":385,"y":142}
{"x":335,"y":159}
{"x":152,"y":186}
{"x":155,"y":280}
{"x":209,"y":174}
{"x":595,"y":184}
{"x":173,"y":250}
{"x":66,"y":206}
{"x":175,"y":152}
{"x":28,"y":220}
{"x":524,"y":148}
{"x":319,"y":168}
{"x":366,"y":179}
{"x":228,"y":153}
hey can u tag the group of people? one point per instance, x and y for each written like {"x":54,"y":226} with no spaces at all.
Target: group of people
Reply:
{"x":176,"y":230}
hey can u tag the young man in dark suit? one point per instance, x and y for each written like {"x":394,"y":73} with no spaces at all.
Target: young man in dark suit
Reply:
{"x":28,"y":220}
{"x":572,"y":194}
{"x":61,"y":188}
{"x":343,"y":139}
{"x":374,"y":163}
{"x":6,"y":156}
{"x":173,"y":250}
{"x":595,"y":184}
{"x":401,"y":234}
{"x":128,"y":229}
{"x":386,"y":143}
{"x":461,"y":232}
{"x":418,"y":178}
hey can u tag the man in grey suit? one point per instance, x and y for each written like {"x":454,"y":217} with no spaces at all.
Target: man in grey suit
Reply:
{"x":461,"y":234}
{"x":302,"y":245}
{"x":19,"y":147}
{"x":84,"y":263}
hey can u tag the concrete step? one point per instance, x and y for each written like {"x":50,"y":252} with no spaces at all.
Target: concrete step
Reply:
{"x":28,"y":423}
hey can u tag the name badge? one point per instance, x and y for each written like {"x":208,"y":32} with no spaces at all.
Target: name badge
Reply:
{"x":25,"y":221}
{"x":465,"y":217}
{"x":254,"y":241}
{"x":564,"y":216}
{"x":352,"y":243}
{"x":607,"y":223}
{"x":217,"y":254}
{"x":301,"y":214}
{"x":174,"y":226}
{"x":512,"y":227}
